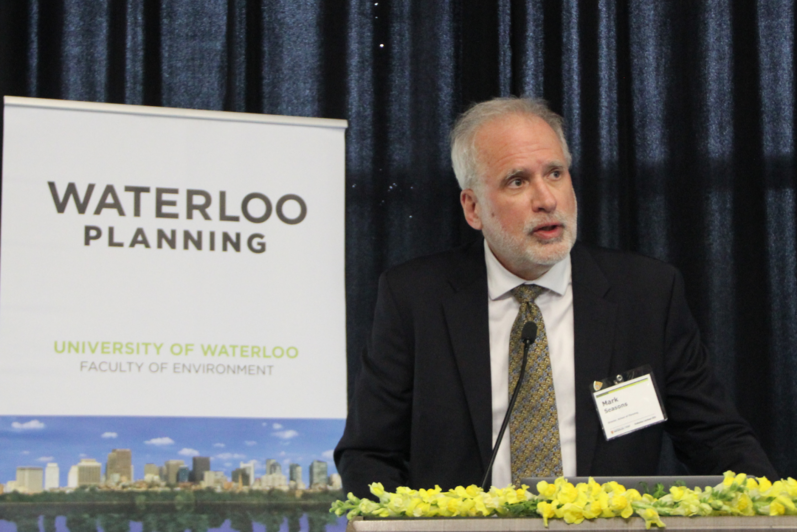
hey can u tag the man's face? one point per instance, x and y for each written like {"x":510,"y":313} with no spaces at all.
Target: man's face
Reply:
{"x":524,"y":203}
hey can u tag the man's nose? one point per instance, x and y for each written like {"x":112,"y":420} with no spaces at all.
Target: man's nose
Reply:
{"x":542,"y":197}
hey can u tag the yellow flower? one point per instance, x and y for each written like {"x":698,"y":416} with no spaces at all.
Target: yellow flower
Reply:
{"x":751,"y":484}
{"x":491,"y":500}
{"x":468,"y":507}
{"x":560,"y":483}
{"x":497,"y":499}
{"x":743,"y":505}
{"x":546,"y":490}
{"x":764,"y":484}
{"x":442,"y":504}
{"x":776,"y":508}
{"x":473,"y":490}
{"x":620,"y":505}
{"x":593,"y":488}
{"x":368,"y":506}
{"x":409,"y":511}
{"x":572,"y":513}
{"x":613,"y":487}
{"x":377,"y":489}
{"x":777,"y":488}
{"x":651,"y":517}
{"x":453,"y":505}
{"x":729,"y":478}
{"x":427,"y":495}
{"x":704,"y":509}
{"x":593,"y":509}
{"x":546,"y":510}
{"x":689,"y":505}
{"x":567,"y":493}
{"x":397,"y":504}
{"x":677,"y":492}
{"x":787,"y":503}
{"x":633,"y":495}
{"x":604,"y":500}
{"x":791,"y":487}
{"x":418,"y":508}
{"x":480,"y":508}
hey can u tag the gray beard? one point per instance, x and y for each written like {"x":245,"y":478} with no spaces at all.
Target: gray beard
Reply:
{"x":526,"y":252}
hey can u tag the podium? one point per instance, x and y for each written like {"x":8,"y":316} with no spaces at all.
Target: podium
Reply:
{"x":505,"y":524}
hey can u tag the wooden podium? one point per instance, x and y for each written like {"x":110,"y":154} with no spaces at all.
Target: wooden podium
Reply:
{"x":504,"y":524}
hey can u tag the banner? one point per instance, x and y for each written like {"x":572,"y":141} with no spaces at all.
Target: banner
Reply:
{"x":166,"y":263}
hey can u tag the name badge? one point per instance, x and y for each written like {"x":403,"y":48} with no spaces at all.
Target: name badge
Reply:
{"x":628,"y":402}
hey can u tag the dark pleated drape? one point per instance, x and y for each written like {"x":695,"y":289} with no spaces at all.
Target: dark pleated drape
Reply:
{"x":680,"y":116}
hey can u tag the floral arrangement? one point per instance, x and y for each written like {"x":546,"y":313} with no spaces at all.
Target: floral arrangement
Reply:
{"x":736,"y":495}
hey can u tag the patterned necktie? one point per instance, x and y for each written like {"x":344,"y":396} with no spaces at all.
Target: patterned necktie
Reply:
{"x":534,"y":425}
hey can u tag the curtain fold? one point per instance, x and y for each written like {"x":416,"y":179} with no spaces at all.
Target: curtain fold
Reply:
{"x":680,"y":116}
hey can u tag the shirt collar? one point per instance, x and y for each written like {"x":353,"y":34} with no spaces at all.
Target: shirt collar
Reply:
{"x":500,"y":280}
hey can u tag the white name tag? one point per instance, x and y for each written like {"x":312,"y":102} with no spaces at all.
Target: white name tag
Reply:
{"x":628,"y":406}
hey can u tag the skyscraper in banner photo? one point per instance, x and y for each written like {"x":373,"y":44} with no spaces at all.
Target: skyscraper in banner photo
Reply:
{"x":318,"y":473}
{"x":201,"y":464}
{"x":119,"y":467}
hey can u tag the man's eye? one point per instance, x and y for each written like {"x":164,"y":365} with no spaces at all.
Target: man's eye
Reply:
{"x":516,"y":182}
{"x":556,"y":174}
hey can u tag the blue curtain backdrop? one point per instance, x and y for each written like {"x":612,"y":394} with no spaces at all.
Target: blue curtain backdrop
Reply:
{"x":680,"y":117}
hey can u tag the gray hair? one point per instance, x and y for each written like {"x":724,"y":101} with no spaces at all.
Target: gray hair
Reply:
{"x":464,"y":154}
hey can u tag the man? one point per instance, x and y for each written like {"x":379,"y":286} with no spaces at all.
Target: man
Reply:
{"x":445,"y":350}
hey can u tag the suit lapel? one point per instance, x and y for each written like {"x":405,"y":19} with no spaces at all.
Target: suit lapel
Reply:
{"x":467,"y":318}
{"x":594,"y":326}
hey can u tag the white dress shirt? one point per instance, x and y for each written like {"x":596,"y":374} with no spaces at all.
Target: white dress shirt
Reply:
{"x":556,"y":305}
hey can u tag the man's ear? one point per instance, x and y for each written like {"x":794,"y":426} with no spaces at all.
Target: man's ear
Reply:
{"x":471,"y":208}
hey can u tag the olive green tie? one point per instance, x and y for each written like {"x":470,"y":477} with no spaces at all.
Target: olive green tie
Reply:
{"x":534,"y":425}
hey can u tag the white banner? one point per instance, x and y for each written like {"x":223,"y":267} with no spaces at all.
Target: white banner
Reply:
{"x":165,"y":262}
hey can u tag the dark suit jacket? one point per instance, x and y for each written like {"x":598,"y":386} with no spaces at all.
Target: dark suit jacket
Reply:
{"x":421,"y":413}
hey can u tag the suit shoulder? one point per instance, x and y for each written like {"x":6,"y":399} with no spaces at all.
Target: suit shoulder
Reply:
{"x":430,"y":270}
{"x":627,"y":266}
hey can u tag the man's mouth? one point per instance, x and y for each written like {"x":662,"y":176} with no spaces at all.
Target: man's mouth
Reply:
{"x":548,"y":231}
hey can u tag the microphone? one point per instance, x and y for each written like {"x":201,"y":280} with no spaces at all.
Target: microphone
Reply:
{"x":528,"y":335}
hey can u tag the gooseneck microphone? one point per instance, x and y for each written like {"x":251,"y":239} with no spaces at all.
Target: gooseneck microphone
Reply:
{"x":528,"y":335}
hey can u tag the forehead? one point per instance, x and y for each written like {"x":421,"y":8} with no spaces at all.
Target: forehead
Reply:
{"x":517,"y":139}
